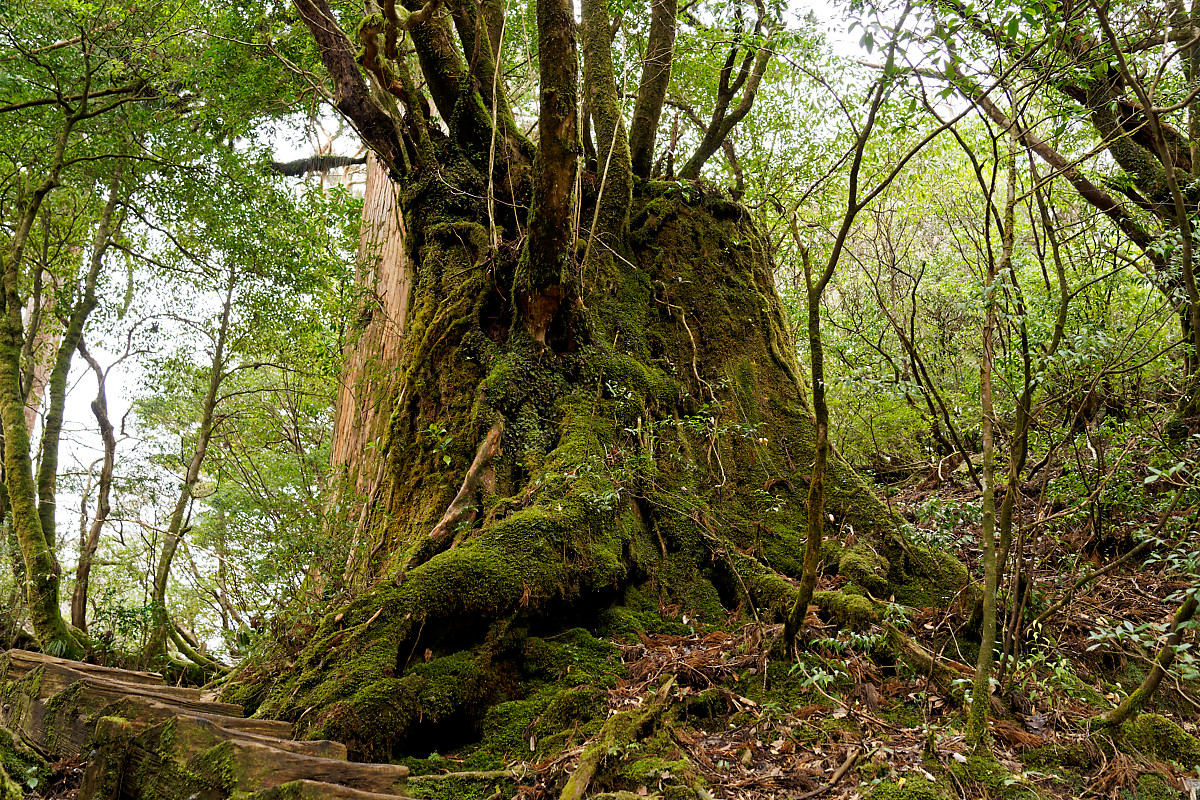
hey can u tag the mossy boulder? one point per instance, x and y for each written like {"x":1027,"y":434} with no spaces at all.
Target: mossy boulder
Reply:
{"x":848,"y":610}
{"x":932,"y":578}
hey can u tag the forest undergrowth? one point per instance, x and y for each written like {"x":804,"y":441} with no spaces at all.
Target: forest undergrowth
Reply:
{"x":664,"y":706}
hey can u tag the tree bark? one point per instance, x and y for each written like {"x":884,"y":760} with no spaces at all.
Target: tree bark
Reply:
{"x":652,"y":90}
{"x":371,"y":375}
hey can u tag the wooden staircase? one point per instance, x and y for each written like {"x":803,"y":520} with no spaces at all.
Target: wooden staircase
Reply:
{"x":144,"y":740}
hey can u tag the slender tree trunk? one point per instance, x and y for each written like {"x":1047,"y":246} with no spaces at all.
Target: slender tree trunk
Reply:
{"x":816,"y":487}
{"x":72,"y":335}
{"x":1162,"y":663}
{"x":981,"y":692}
{"x":41,"y":568}
{"x":156,"y":643}
{"x":91,"y":541}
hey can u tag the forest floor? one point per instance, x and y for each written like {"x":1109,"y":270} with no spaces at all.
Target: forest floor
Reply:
{"x":737,"y":720}
{"x":843,"y":721}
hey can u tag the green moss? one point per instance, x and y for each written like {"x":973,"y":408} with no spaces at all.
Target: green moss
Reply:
{"x":20,"y":764}
{"x":905,"y":716}
{"x":866,"y":568}
{"x":1076,"y":755}
{"x":1155,"y":787}
{"x":460,"y":789}
{"x":575,"y":653}
{"x":837,"y":730}
{"x":1154,"y":734}
{"x":985,"y":771}
{"x":831,"y":551}
{"x":657,"y":774}
{"x":847,"y":610}
{"x":914,"y":788}
{"x":786,"y":688}
{"x":933,"y":577}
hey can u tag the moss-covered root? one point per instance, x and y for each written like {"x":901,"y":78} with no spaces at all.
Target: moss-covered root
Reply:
{"x":1157,"y":736}
{"x":941,"y":672}
{"x":1162,"y":664}
{"x":10,"y":789}
{"x":18,"y":765}
{"x":771,"y":592}
{"x":620,"y":731}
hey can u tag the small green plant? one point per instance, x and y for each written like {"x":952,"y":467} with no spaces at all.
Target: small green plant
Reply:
{"x":815,"y":677}
{"x":942,"y":519}
{"x":441,"y":441}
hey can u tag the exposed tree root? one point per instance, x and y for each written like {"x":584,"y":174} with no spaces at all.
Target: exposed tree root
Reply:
{"x":10,"y":789}
{"x":462,"y":508}
{"x":18,"y":764}
{"x":620,"y":731}
{"x":942,"y":672}
{"x":194,"y":655}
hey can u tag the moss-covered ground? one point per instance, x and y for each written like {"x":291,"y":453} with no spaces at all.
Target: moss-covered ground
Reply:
{"x":673,"y":710}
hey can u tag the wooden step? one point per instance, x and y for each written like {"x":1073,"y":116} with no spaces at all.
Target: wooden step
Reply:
{"x":195,"y":734}
{"x":15,"y":663}
{"x":62,"y":725}
{"x":259,"y":766}
{"x":53,"y":678}
{"x":305,"y":789}
{"x":174,"y":754}
{"x":153,"y":711}
{"x":142,"y":738}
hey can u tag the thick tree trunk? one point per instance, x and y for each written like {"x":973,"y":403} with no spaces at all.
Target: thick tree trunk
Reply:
{"x":372,"y":371}
{"x":634,"y":450}
{"x":594,"y":409}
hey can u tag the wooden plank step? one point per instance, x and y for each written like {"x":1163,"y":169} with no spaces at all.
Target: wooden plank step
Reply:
{"x":305,"y":789}
{"x":194,"y":734}
{"x":15,"y":663}
{"x":260,"y":767}
{"x":63,"y":724}
{"x":174,"y":754}
{"x":55,"y":678}
{"x":152,"y":712}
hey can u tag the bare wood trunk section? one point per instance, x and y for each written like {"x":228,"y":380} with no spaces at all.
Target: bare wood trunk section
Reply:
{"x":370,"y":377}
{"x":44,"y":347}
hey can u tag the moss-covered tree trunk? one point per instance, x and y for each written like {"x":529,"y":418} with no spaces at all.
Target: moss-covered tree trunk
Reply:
{"x":609,"y":428}
{"x":656,"y":440}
